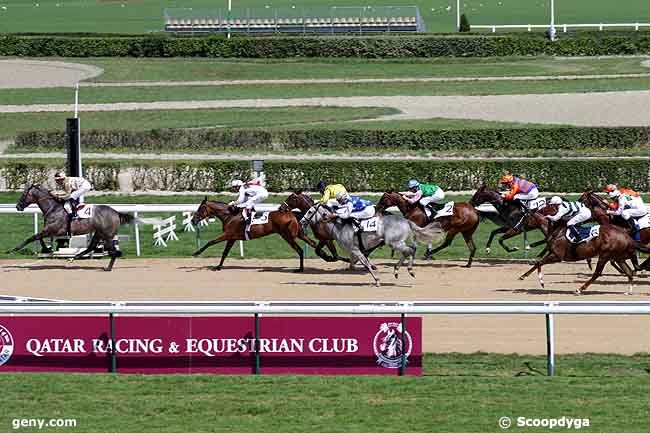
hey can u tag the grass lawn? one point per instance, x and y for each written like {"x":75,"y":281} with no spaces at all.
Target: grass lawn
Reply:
{"x":11,"y":123}
{"x":458,"y":393}
{"x":283,"y":91}
{"x":438,"y":15}
{"x":192,"y":69}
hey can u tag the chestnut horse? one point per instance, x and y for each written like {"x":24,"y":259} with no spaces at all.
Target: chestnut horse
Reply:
{"x":281,"y":222}
{"x":464,"y":220}
{"x":612,"y":244}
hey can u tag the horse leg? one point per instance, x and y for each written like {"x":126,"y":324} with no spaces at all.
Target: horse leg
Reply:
{"x":597,"y":273}
{"x":319,"y":252}
{"x":412,"y":260}
{"x":292,"y":242}
{"x":44,"y":248}
{"x":509,"y":234}
{"x":225,"y":253}
{"x":112,"y":252}
{"x":493,"y":233}
{"x":629,"y":273}
{"x":448,"y":240}
{"x":358,"y":255}
{"x":469,"y":241}
{"x":222,"y":237}
{"x":36,"y":237}
{"x":91,"y":247}
{"x":406,"y":251}
{"x":551,"y":258}
{"x":538,"y":243}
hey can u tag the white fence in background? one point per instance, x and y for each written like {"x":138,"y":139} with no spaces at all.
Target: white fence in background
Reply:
{"x":136,"y":210}
{"x":165,"y":232}
{"x":563,"y":27}
{"x":548,"y":309}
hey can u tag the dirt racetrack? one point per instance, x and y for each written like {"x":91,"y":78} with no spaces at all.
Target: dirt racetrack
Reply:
{"x":166,"y":279}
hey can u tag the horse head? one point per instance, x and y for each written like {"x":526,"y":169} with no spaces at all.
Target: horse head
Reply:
{"x":298,"y":200}
{"x":485,"y":195}
{"x":591,"y":200}
{"x":202,"y":212}
{"x":32,"y":194}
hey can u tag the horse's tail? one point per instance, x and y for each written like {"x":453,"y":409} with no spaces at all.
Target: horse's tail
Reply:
{"x":429,"y":234}
{"x":130,"y":219}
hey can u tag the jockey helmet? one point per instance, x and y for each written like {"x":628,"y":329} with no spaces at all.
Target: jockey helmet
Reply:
{"x":612,"y":190}
{"x":413,"y":184}
{"x":321,"y":186}
{"x":508,"y":178}
{"x":555,"y":200}
{"x":59,"y":175}
{"x":236,"y":183}
{"x":341,"y":196}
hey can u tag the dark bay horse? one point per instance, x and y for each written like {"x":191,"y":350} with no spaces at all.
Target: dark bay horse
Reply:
{"x":103,"y":224}
{"x":303,"y":202}
{"x":464,"y":220}
{"x":510,"y":218}
{"x":281,"y":222}
{"x":612,"y":244}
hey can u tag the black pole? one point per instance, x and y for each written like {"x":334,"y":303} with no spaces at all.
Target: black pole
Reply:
{"x":402,"y":368}
{"x":73,"y":139}
{"x":113,"y":353}
{"x":257,"y":343}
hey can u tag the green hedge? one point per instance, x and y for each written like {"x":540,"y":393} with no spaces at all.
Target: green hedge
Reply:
{"x":558,"y":175}
{"x":314,"y":140}
{"x":579,"y":44}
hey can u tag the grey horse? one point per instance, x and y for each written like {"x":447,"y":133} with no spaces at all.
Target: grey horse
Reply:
{"x":397,"y":232}
{"x":103,"y":224}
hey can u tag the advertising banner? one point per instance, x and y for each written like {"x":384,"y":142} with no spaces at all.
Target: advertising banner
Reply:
{"x":221,"y":345}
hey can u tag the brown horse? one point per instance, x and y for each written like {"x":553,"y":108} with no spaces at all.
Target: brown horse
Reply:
{"x":281,"y":222}
{"x":612,"y":244}
{"x":303,"y":202}
{"x":464,"y":220}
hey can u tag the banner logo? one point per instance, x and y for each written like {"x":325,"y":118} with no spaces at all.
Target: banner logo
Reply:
{"x":6,"y":345}
{"x":388,"y":345}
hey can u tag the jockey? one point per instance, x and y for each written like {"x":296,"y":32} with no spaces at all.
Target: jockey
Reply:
{"x":427,"y":194}
{"x":577,"y":212}
{"x":329,"y":192}
{"x":74,"y":191}
{"x":629,"y":206}
{"x":250,"y":194}
{"x":520,"y":189}
{"x":353,"y":207}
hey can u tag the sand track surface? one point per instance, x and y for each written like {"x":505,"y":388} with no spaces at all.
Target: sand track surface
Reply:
{"x":168,"y":279}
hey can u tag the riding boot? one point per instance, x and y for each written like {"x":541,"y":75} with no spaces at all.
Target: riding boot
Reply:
{"x":248,"y":219}
{"x":69,"y":229}
{"x":632,"y":225}
{"x":432,"y":209}
{"x":575,"y":233}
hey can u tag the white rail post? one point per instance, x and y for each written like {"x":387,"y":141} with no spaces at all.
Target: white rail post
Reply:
{"x":35,"y":232}
{"x":550,"y":345}
{"x":137,"y":235}
{"x":458,"y":15}
{"x":241,"y":248}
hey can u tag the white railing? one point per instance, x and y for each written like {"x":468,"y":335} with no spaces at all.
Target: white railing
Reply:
{"x":564,"y":27}
{"x":403,"y":308}
{"x":135,"y":209}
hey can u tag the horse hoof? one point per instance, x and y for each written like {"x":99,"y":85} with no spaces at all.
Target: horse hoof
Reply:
{"x":71,"y":259}
{"x":298,"y":271}
{"x":467,"y":266}
{"x":578,"y":292}
{"x":373,"y":267}
{"x":46,"y":251}
{"x":488,"y":250}
{"x":377,"y":284}
{"x":522,"y":278}
{"x":107,"y":269}
{"x":412,"y":274}
{"x":396,"y":275}
{"x":513,"y":249}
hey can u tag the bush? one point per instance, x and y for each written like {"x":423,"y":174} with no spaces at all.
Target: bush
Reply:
{"x":317,"y":140}
{"x":464,"y":24}
{"x":579,"y":44}
{"x":558,"y":175}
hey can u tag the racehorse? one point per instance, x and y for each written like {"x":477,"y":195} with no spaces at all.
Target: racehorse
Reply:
{"x":464,"y":220}
{"x":303,"y":202}
{"x":393,"y":230}
{"x":510,"y":218}
{"x":281,"y":222}
{"x":104,"y":222}
{"x":612,"y":244}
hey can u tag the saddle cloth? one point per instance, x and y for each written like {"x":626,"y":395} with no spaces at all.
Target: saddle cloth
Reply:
{"x":643,"y":222}
{"x":587,"y":233}
{"x":85,"y":211}
{"x":447,"y":210}
{"x":262,"y":218}
{"x":369,"y":225}
{"x":538,"y":203}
